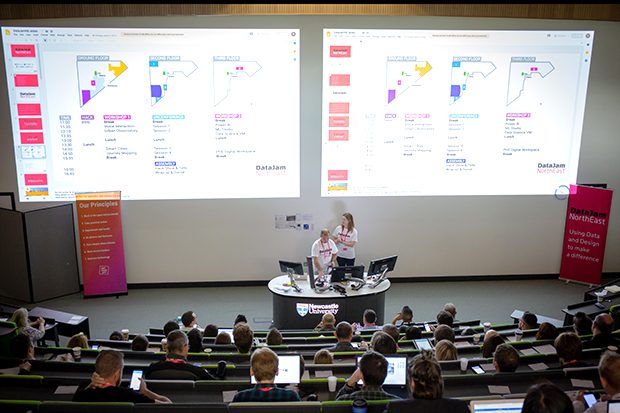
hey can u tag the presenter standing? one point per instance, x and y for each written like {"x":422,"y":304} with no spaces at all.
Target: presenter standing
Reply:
{"x":324,"y":252}
{"x":345,"y":236}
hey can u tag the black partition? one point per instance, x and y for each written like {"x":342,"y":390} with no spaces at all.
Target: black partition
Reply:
{"x":38,"y":258}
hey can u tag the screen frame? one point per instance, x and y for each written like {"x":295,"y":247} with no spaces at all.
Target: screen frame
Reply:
{"x":359,"y":358}
{"x":375,"y":265}
{"x":340,"y":273}
{"x":297,"y":267}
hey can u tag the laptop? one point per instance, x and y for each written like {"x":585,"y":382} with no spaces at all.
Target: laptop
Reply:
{"x":396,"y":371}
{"x":496,"y":406}
{"x":289,"y":370}
{"x":613,"y":406}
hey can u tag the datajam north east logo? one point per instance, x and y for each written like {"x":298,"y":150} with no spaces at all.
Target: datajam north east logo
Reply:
{"x":551,"y":168}
{"x":302,"y":309}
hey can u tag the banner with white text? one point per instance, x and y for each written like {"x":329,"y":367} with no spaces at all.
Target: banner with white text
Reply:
{"x":587,"y":219}
{"x":101,"y":243}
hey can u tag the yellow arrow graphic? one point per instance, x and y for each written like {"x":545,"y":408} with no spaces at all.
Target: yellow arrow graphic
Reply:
{"x":423,"y":69}
{"x":117,"y":69}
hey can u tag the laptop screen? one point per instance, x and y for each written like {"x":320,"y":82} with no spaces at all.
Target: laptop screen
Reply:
{"x":497,"y":406}
{"x":288,"y":370}
{"x":613,"y":406}
{"x":396,"y":371}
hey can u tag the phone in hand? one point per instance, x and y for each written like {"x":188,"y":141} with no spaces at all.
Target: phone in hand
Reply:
{"x":590,"y":399}
{"x":477,"y":369}
{"x":135,"y":380}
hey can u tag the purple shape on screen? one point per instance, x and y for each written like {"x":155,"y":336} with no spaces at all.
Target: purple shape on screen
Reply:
{"x":156,"y":91}
{"x":455,"y":90}
{"x":85,"y":96}
{"x":391,"y":95}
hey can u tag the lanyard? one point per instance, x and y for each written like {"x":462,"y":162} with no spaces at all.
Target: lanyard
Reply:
{"x":326,"y":252}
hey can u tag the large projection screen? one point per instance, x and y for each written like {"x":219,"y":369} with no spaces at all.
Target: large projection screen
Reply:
{"x":194,"y":240}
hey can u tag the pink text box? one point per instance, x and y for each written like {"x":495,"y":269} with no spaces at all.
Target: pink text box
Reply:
{"x":338,"y":121}
{"x":30,"y":123}
{"x":31,"y":138}
{"x":339,"y":51}
{"x":35,"y":179}
{"x":29,"y":109}
{"x":337,"y":175}
{"x":26,"y":80}
{"x":339,"y":107}
{"x":23,"y":50}
{"x":340,"y":80}
{"x":338,"y":135}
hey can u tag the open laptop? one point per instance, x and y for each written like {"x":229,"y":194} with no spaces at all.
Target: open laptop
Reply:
{"x":613,"y":406}
{"x":289,"y":370}
{"x":396,"y":371}
{"x":496,"y":406}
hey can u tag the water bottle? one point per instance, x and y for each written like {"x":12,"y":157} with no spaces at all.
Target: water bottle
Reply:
{"x":179,"y":322}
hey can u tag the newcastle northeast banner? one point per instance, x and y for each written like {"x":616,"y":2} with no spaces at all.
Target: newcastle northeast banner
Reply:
{"x":101,"y":243}
{"x":587,"y":218}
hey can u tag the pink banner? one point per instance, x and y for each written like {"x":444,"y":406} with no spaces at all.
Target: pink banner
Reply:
{"x":101,"y":243}
{"x":587,"y":218}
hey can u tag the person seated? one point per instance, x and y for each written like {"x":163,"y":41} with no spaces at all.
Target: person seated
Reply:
{"x":105,"y":384}
{"x":118,"y":336}
{"x":568,"y":346}
{"x":21,"y":348}
{"x":582,"y":324}
{"x":372,"y":371}
{"x":546,"y":398}
{"x":451,"y":308}
{"x":35,"y":329}
{"x":170,"y":326}
{"x":443,"y":332}
{"x":404,"y":317}
{"x":344,"y":335}
{"x":140,"y":343}
{"x":240,"y":319}
{"x":426,"y":385}
{"x":264,"y":368}
{"x":369,"y":321}
{"x":491,"y":340}
{"x":383,"y":343}
{"x":505,"y":359}
{"x":413,"y":333}
{"x":78,"y":340}
{"x":547,"y":331}
{"x":274,"y":337}
{"x":601,"y":333}
{"x":243,"y":337}
{"x":445,"y":350}
{"x":189,"y":320}
{"x":528,"y":321}
{"x":609,"y":374}
{"x":194,"y":336}
{"x":175,"y":365}
{"x":223,"y":338}
{"x":328,"y":323}
{"x":392,"y":330}
{"x":211,"y":330}
{"x":323,"y":356}
{"x":444,"y":317}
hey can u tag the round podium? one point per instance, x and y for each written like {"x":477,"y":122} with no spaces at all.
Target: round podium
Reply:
{"x":294,"y":310}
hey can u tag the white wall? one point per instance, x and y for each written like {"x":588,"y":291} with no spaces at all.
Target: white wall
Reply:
{"x":232,"y":240}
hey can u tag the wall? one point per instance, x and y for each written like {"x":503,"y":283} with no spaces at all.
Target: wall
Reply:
{"x":233,"y":240}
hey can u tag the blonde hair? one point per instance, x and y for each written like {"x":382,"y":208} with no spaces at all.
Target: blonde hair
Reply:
{"x":328,"y":319}
{"x":20,"y":318}
{"x":323,"y":356}
{"x":445,"y":350}
{"x":264,"y":362}
{"x":78,"y":340}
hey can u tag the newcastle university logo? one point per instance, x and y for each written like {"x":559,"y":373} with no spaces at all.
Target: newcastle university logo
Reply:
{"x":302,"y":309}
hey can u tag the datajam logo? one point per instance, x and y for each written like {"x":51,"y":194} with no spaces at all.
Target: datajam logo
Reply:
{"x":551,"y":168}
{"x":270,"y":169}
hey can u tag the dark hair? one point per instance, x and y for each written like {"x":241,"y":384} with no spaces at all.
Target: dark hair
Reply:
{"x":210,"y":331}
{"x":370,"y":316}
{"x":546,"y":331}
{"x":604,"y":323}
{"x":443,"y":332}
{"x":392,"y":330}
{"x":274,"y":337}
{"x":374,"y":368}
{"x":444,"y":317}
{"x":530,"y":319}
{"x":383,"y":343}
{"x":170,"y":326}
{"x":568,"y":346}
{"x":188,"y":318}
{"x":116,"y":336}
{"x":244,"y":337}
{"x":507,"y":358}
{"x":426,"y":374}
{"x":194,"y":336}
{"x":139,"y":343}
{"x":20,"y":345}
{"x":546,"y":398}
{"x":407,"y":314}
{"x":222,"y":338}
{"x":343,"y":330}
{"x":240,"y":319}
{"x":490,"y":344}
{"x":412,"y":333}
{"x":582,"y":324}
{"x":108,"y":362}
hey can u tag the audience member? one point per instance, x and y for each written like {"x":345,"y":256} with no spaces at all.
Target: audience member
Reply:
{"x":210,"y":331}
{"x":78,"y":340}
{"x":35,"y":330}
{"x":118,"y":336}
{"x":490,"y":342}
{"x":344,"y":335}
{"x":175,"y":365}
{"x":264,"y":368}
{"x":105,"y":386}
{"x":582,"y":324}
{"x":413,"y":333}
{"x":240,"y":319}
{"x":383,"y":343}
{"x":392,"y":330}
{"x":328,"y":323}
{"x":505,"y":359}
{"x":372,"y":370}
{"x":601,"y":333}
{"x":170,"y":326}
{"x":444,"y":317}
{"x":568,"y":346}
{"x":404,"y":317}
{"x":274,"y":337}
{"x":139,"y":343}
{"x":528,"y":321}
{"x":189,"y":320}
{"x":443,"y":332}
{"x":546,"y":398}
{"x":323,"y":356}
{"x":369,"y":320}
{"x":21,"y":347}
{"x":451,"y":308}
{"x":609,"y":373}
{"x":445,"y":350}
{"x":243,"y":337}
{"x":547,"y":331}
{"x":426,"y":386}
{"x":194,"y":337}
{"x":223,"y":338}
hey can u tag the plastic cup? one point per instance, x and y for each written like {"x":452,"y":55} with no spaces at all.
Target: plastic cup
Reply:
{"x":164,"y":344}
{"x":77,"y":352}
{"x":464,"y":363}
{"x":125,"y":333}
{"x":332,"y":381}
{"x":476,"y":338}
{"x":486,"y":326}
{"x":518,"y":334}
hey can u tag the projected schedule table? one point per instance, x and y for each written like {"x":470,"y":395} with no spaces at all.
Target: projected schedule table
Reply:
{"x":303,"y":310}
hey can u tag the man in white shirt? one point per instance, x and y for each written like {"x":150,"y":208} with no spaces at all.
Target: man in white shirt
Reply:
{"x":609,"y":372}
{"x":324,"y":252}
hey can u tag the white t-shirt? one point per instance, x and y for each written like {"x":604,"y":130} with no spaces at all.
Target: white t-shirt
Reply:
{"x":324,"y":252}
{"x":344,"y":234}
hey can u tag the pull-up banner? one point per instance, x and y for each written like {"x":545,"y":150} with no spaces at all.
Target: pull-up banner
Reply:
{"x":101,"y":243}
{"x":587,"y":218}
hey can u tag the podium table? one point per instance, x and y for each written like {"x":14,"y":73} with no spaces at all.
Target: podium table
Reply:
{"x":68,"y":324}
{"x":304,"y":310}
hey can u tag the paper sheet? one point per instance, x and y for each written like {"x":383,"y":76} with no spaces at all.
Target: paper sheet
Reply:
{"x":538,"y":366}
{"x":587,"y":384}
{"x":499,"y":389}
{"x":528,"y":351}
{"x":66,"y":390}
{"x":323,"y":373}
{"x":488,"y":367}
{"x":228,"y":395}
{"x":546,"y":349}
